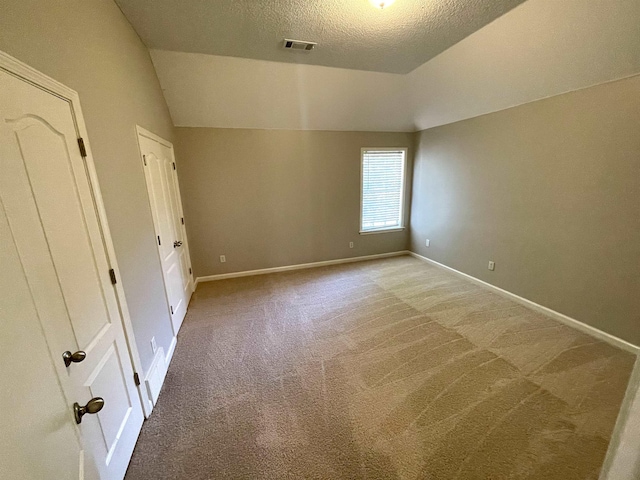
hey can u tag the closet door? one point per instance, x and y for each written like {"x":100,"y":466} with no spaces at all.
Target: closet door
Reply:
{"x":164,"y":198}
{"x":68,"y":396}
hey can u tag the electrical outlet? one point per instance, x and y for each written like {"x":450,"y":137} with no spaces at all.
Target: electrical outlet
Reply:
{"x":350,"y":244}
{"x":492,"y":266}
{"x":428,"y":243}
{"x":223,"y":259}
{"x":154,"y":347}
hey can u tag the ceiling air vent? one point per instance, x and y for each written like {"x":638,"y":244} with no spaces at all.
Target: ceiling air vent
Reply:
{"x":298,"y":45}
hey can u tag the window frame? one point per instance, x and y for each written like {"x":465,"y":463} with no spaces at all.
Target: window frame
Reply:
{"x":403,"y":191}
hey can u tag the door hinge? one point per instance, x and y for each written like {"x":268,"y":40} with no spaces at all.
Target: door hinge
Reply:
{"x":83,"y":150}
{"x":182,"y":220}
{"x":189,"y":271}
{"x":171,"y":309}
{"x":174,"y":165}
{"x":112,"y":274}
{"x":144,"y":159}
{"x":159,"y":243}
{"x":136,"y":379}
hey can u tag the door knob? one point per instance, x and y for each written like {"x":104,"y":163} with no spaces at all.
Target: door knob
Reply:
{"x":93,"y":406}
{"x":177,"y":243}
{"x":69,"y":357}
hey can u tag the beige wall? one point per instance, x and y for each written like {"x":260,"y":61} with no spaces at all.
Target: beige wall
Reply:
{"x":89,"y":46}
{"x":550,"y":191}
{"x":268,"y":198}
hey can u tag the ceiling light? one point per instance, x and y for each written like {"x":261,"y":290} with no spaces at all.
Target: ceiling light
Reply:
{"x":381,"y":3}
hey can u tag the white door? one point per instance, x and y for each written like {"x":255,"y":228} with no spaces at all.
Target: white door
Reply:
{"x":164,"y":197}
{"x":57,"y":296}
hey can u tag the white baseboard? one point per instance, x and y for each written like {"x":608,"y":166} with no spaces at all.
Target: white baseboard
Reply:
{"x":263,"y":271}
{"x":155,"y":376}
{"x":572,"y":322}
{"x":170,"y":352}
{"x":158,"y":372}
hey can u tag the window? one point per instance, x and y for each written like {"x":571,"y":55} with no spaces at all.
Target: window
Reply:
{"x":382,"y":189}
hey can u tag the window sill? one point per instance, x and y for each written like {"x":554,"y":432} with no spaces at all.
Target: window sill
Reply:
{"x":382,"y":230}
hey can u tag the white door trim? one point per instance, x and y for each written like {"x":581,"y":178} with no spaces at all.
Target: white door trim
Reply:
{"x":141,"y":131}
{"x":623,"y":457}
{"x":19,"y":69}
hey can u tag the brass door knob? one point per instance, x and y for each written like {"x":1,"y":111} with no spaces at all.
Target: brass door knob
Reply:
{"x":93,"y":406}
{"x":69,"y":357}
{"x":177,"y":243}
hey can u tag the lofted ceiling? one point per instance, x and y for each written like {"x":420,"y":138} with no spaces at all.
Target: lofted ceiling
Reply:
{"x":540,"y":49}
{"x":350,"y":33}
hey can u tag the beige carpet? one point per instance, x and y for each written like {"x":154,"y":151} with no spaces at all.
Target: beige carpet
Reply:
{"x":390,"y":369}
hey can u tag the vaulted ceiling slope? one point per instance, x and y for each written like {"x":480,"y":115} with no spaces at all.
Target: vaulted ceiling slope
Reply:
{"x":350,"y":33}
{"x":539,"y":49}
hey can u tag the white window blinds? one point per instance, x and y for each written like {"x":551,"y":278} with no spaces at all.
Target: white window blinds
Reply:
{"x":382,"y":189}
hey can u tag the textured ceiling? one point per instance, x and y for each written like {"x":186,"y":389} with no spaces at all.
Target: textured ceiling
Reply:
{"x":350,"y":33}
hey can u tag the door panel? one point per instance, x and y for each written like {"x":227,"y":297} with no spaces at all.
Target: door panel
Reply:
{"x":178,"y":223}
{"x":157,"y":173}
{"x":50,"y":208}
{"x":164,"y":198}
{"x":69,"y":244}
{"x":28,"y":425}
{"x":107,"y":382}
{"x":161,"y":204}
